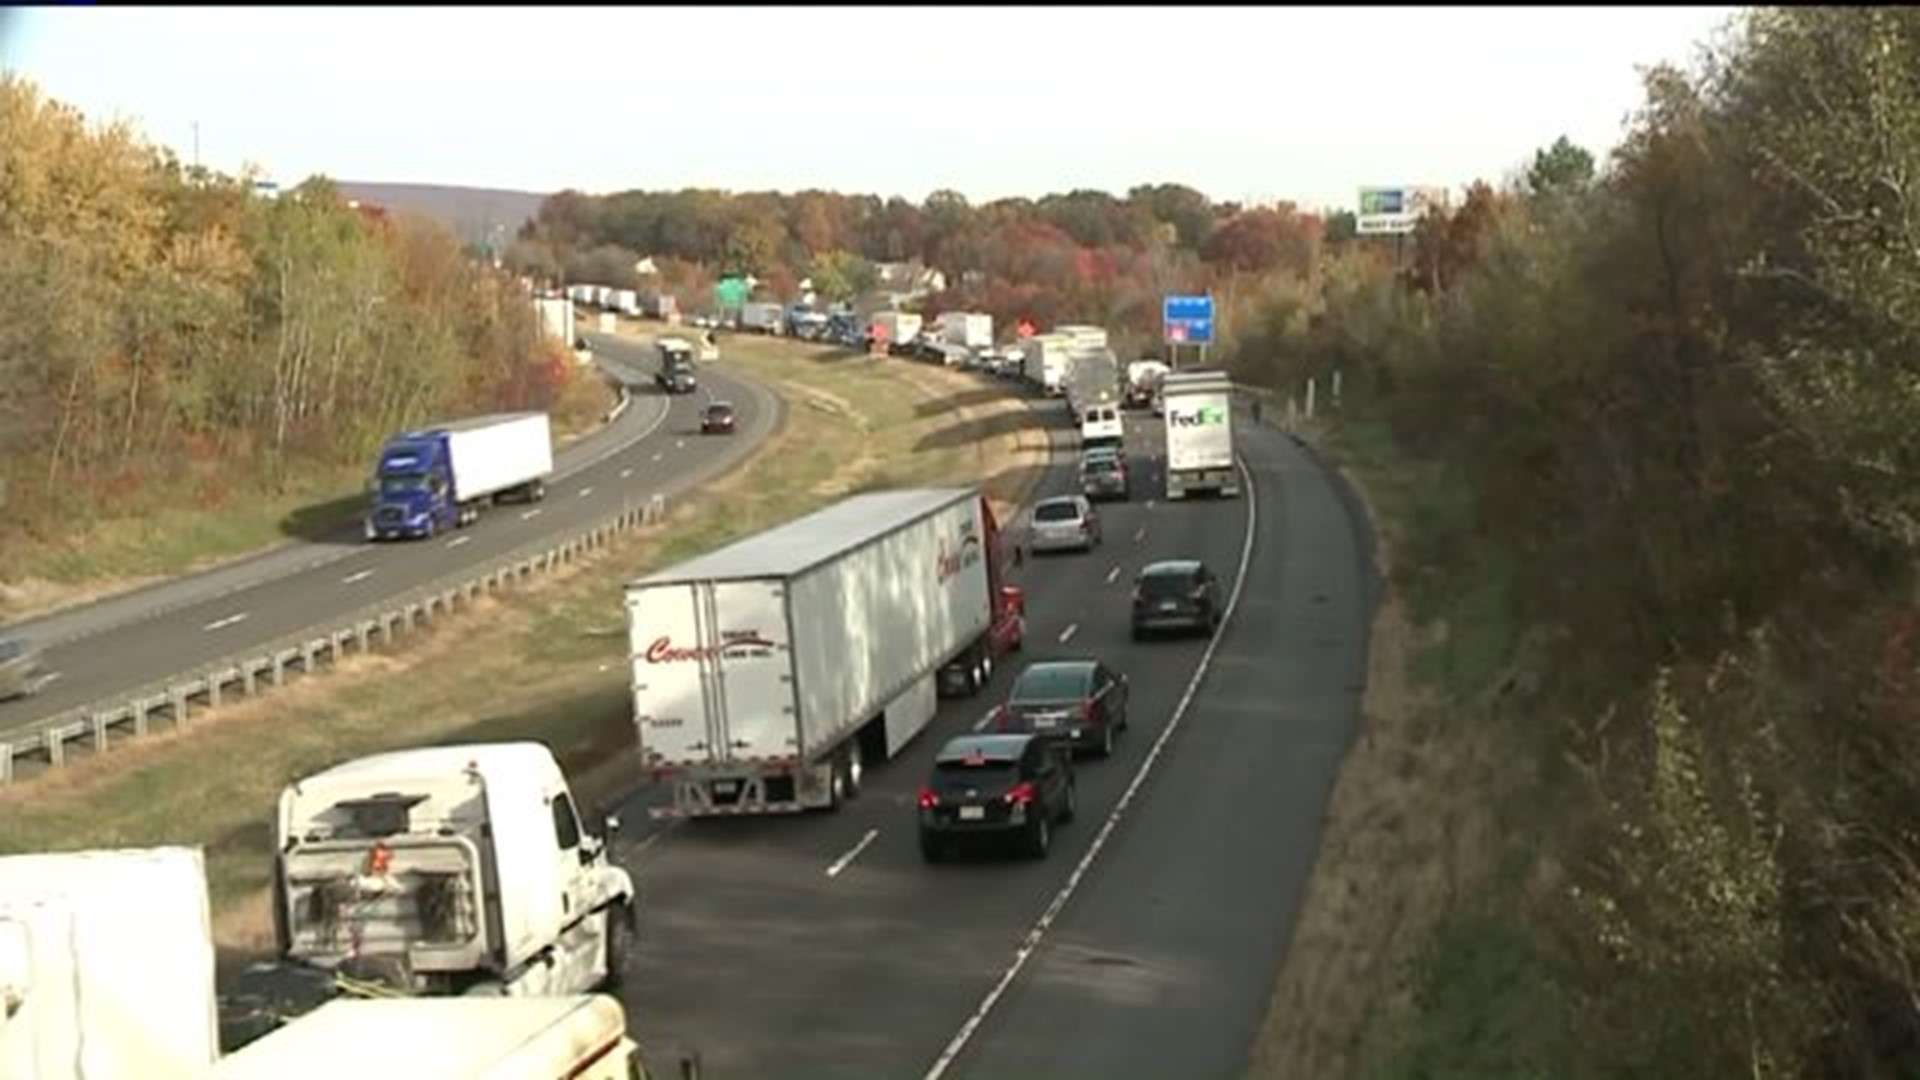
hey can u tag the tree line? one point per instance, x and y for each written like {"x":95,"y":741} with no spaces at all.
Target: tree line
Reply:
{"x":169,"y":334}
{"x":1083,"y":255}
{"x":1682,"y":393}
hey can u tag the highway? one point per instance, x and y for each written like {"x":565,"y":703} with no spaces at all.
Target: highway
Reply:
{"x":822,"y":945}
{"x":655,"y":448}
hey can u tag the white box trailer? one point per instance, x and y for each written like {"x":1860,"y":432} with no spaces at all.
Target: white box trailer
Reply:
{"x":896,"y":328}
{"x":1199,"y":414}
{"x":968,"y":329}
{"x":769,"y":673}
{"x":107,"y":966}
{"x":556,"y":318}
{"x":1084,"y":336}
{"x":626,"y":302}
{"x":762,"y":317}
{"x":491,"y":455}
{"x":603,"y":296}
{"x":471,"y":1038}
{"x":1045,"y":362}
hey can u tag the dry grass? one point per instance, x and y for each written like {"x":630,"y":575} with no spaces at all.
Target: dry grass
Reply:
{"x":546,"y":663}
{"x":1407,"y":835}
{"x":108,"y":556}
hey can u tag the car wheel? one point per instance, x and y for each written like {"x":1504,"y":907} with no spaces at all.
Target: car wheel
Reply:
{"x":1040,"y":837}
{"x":1139,"y":634}
{"x":1072,"y":806}
{"x":1106,"y":740}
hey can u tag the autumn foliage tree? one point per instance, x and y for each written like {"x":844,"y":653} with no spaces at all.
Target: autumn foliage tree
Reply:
{"x":170,"y":335}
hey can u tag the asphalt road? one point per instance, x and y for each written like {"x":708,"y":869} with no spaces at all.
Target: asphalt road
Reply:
{"x":657,"y":449}
{"x":822,"y":946}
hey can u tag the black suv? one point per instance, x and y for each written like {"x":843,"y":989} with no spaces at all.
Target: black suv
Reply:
{"x":996,"y":786}
{"x":1179,"y":594}
{"x":1082,"y":703}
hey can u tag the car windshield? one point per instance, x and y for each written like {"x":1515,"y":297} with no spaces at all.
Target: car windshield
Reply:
{"x":1102,"y":465}
{"x":719,"y":412}
{"x":1167,"y":583}
{"x":1056,"y":511}
{"x":401,"y":483}
{"x":1051,"y":684}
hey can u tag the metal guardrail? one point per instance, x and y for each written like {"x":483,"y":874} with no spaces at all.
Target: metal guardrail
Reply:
{"x":261,"y":668}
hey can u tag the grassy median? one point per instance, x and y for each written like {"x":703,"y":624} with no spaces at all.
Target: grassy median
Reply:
{"x":545,"y":663}
{"x":204,"y":525}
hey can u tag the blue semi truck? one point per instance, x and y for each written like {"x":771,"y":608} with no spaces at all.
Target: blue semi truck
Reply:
{"x":441,"y":477}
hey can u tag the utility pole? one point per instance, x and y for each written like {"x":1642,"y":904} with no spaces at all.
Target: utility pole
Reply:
{"x":196,"y":146}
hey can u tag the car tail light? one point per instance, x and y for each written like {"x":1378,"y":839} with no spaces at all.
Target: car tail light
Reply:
{"x":1022,"y":794}
{"x":1002,"y":717}
{"x":928,"y":798}
{"x":1086,"y":711}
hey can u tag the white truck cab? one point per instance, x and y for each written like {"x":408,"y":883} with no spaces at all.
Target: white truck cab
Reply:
{"x":559,"y":1038}
{"x":447,"y":871}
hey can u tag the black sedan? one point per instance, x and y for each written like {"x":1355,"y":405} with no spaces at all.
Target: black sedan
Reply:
{"x":717,"y":419}
{"x":996,"y":786}
{"x":1081,"y":703}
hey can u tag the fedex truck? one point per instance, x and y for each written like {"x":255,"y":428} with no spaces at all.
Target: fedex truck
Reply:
{"x":1199,"y":416}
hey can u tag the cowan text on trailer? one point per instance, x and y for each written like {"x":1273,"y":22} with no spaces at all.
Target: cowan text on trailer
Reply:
{"x":769,"y":673}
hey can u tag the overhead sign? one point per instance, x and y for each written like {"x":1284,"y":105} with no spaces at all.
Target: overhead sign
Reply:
{"x":1394,"y":211}
{"x":730,"y":293}
{"x":1188,"y":320}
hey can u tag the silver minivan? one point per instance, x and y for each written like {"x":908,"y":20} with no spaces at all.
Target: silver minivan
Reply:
{"x":1064,"y":523}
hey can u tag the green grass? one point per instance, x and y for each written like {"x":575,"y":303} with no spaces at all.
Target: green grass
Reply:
{"x":546,"y":663}
{"x":176,"y":534}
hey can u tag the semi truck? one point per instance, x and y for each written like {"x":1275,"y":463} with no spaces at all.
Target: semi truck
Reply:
{"x":1045,"y":362}
{"x":1199,"y":414}
{"x":675,"y":374}
{"x":1092,"y":376}
{"x":767,"y":675}
{"x":440,"y":477}
{"x":448,"y":871}
{"x":581,"y":1037}
{"x":107,"y":966}
{"x":1143,"y":381}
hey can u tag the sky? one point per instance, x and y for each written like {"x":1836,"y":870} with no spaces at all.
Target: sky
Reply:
{"x":1248,"y":104}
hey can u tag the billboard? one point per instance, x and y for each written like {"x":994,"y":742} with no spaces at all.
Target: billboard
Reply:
{"x":1188,"y":320}
{"x":1392,"y":211}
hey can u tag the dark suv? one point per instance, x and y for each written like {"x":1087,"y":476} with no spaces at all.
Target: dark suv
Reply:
{"x":996,"y":786}
{"x":1179,"y":594}
{"x":1082,"y":703}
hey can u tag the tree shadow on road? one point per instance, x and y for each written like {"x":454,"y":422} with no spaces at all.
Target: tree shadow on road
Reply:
{"x":334,"y":519}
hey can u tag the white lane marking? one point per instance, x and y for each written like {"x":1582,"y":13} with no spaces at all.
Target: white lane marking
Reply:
{"x":846,"y":860}
{"x":1149,"y":504}
{"x":1140,"y":534}
{"x":656,"y":457}
{"x":47,"y":678}
{"x":1031,"y":943}
{"x":624,"y":473}
{"x":231,"y":620}
{"x":981,"y":724}
{"x":458,"y":540}
{"x":1112,"y":574}
{"x":1067,"y":634}
{"x":361,"y":575}
{"x":585,"y":491}
{"x":529,"y":515}
{"x":679,"y":444}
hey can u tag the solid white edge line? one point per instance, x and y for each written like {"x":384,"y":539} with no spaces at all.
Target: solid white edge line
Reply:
{"x":1031,"y":943}
{"x":1067,"y":634}
{"x":846,"y":860}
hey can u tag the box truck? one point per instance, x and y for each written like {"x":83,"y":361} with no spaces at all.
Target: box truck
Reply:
{"x":556,"y":318}
{"x":1084,"y":336}
{"x":107,"y":966}
{"x":447,"y":871}
{"x":769,"y":673}
{"x":442,"y":476}
{"x":1092,"y":377}
{"x":1045,"y":363}
{"x":897,"y":328}
{"x":762,"y":317}
{"x":1199,"y":412}
{"x":581,"y":1037}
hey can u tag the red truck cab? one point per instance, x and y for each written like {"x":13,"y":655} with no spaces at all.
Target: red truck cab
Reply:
{"x":967,"y":674}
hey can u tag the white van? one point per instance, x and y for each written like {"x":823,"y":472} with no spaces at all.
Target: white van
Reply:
{"x":1100,"y":425}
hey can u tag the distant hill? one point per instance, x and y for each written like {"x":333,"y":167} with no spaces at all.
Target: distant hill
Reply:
{"x":470,"y":212}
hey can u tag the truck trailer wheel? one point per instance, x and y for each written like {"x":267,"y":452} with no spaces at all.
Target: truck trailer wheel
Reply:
{"x":619,"y":943}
